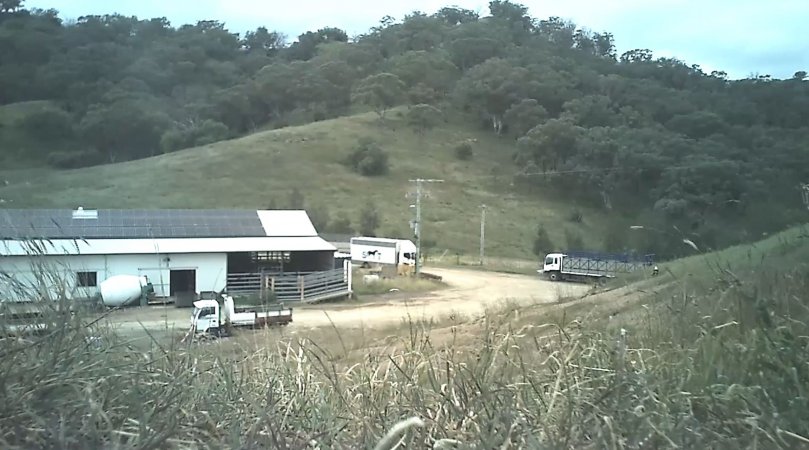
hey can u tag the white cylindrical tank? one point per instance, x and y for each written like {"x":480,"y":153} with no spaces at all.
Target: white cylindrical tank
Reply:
{"x":120,"y":290}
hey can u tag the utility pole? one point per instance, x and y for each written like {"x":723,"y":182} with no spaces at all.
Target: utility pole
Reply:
{"x":417,"y":225}
{"x":482,"y":231}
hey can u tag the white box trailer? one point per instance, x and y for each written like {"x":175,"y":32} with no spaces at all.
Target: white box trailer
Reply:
{"x":373,"y":250}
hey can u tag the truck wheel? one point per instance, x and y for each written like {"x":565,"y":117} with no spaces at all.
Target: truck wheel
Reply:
{"x":553,"y":276}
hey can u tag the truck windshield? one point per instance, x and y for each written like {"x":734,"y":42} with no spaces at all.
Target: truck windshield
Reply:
{"x":203,"y":312}
{"x":548,"y":260}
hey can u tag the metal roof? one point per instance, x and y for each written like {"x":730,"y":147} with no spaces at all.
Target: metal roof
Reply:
{"x":16,"y":224}
{"x":286,"y":223}
{"x":164,"y":246}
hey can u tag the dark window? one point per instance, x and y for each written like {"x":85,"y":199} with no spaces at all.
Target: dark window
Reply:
{"x":87,"y":279}
{"x":272,"y":256}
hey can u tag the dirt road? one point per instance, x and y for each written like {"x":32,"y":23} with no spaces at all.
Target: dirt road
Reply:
{"x":469,"y":293}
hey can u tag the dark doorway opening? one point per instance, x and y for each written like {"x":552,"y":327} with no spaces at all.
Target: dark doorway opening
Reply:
{"x":182,"y":282}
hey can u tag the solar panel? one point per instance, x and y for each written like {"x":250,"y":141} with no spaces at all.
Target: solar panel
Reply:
{"x":54,"y":223}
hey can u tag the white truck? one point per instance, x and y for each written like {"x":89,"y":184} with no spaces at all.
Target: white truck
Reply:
{"x":590,"y":266}
{"x":209,"y":316}
{"x":373,"y":250}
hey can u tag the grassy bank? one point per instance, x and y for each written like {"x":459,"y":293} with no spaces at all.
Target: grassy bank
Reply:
{"x":494,"y":264}
{"x":390,"y":285}
{"x":717,"y":364}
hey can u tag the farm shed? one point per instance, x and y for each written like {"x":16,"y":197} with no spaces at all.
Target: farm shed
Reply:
{"x":182,"y":252}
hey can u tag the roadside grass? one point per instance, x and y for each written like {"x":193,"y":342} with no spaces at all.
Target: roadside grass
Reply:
{"x":490,"y":264}
{"x":716,"y":364}
{"x":262,"y":169}
{"x":781,"y":250}
{"x":402,"y":284}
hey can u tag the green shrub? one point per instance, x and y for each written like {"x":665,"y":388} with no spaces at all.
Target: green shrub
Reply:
{"x":319,"y":215}
{"x":615,"y":237}
{"x":340,"y":224}
{"x":75,"y":159}
{"x":368,"y":159}
{"x":542,"y":242}
{"x":369,"y":220}
{"x":204,"y":133}
{"x":463,"y":151}
{"x":576,"y":216}
{"x":47,"y":125}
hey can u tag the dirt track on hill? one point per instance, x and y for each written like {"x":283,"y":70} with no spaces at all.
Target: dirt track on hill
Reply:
{"x":469,"y":294}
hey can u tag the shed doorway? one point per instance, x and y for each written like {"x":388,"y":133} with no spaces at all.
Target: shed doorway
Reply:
{"x":182,"y":282}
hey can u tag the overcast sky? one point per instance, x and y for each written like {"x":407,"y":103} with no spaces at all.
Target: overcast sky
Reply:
{"x":741,"y":37}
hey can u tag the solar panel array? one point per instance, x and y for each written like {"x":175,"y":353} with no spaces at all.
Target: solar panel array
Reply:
{"x":128,"y":224}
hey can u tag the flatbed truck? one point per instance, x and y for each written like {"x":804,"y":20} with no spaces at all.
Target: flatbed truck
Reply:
{"x":211,"y":317}
{"x":591,"y":266}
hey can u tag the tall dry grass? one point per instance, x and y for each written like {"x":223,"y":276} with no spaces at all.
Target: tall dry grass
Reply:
{"x":724,"y":367}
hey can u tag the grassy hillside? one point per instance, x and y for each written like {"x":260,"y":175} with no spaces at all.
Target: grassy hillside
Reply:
{"x":263,"y":168}
{"x":781,"y":251}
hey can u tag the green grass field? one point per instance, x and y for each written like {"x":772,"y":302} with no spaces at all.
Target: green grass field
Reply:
{"x":253,"y":171}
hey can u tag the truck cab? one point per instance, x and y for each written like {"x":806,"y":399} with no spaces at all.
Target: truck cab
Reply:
{"x":206,"y":316}
{"x":552,"y":265}
{"x":209,"y":316}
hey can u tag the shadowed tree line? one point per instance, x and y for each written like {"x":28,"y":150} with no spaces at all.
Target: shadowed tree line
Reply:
{"x":686,"y":152}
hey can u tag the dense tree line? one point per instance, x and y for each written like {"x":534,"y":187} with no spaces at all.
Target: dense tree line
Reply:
{"x":691,"y":150}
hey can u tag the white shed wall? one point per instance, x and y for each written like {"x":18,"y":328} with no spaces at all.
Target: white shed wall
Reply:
{"x":211,"y":271}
